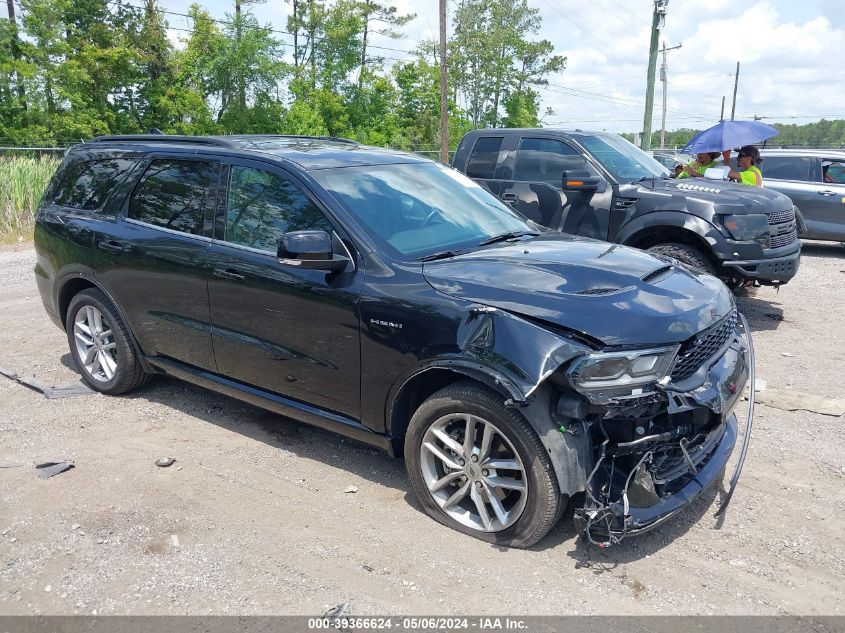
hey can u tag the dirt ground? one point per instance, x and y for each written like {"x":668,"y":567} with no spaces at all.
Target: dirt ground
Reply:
{"x":252,"y":517}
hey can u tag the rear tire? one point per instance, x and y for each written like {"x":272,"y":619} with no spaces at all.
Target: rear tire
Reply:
{"x":499,"y":486}
{"x":686,"y":254}
{"x":101,"y":346}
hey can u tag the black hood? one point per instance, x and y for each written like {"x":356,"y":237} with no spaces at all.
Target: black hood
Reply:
{"x":619,"y":295}
{"x":691,"y":193}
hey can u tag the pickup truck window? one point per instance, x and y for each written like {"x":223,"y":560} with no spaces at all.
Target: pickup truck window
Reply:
{"x":482,"y":161}
{"x":544,"y":160}
{"x":625,"y":161}
{"x":787,"y":167}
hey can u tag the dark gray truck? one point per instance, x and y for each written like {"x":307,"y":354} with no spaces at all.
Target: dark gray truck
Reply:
{"x":601,"y":186}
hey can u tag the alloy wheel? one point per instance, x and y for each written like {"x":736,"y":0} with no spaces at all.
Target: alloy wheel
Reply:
{"x":95,"y":344}
{"x":473,"y":472}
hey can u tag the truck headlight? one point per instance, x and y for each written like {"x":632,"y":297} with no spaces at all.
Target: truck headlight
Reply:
{"x":748,"y":227}
{"x":621,"y":371}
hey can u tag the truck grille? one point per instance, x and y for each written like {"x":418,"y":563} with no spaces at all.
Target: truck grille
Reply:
{"x":777,"y":241}
{"x":702,"y":346}
{"x":782,"y":216}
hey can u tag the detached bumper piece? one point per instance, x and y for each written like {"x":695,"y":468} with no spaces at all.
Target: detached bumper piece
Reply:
{"x":650,"y":468}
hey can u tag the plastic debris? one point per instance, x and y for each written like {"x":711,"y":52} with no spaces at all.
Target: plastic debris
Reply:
{"x":52,"y":392}
{"x":45,"y":470}
{"x":350,"y":489}
{"x":164,"y":462}
{"x":338,"y":611}
{"x":787,"y":354}
{"x":759,"y":384}
{"x":790,"y":400}
{"x":174,"y":540}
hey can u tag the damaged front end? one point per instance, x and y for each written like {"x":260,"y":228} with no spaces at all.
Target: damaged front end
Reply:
{"x":657,"y":442}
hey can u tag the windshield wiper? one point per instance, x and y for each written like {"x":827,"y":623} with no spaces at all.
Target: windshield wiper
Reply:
{"x":507,"y":236}
{"x":644,"y":178}
{"x":439,"y":255}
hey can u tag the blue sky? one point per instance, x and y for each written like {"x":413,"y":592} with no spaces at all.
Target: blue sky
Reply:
{"x":792,"y":57}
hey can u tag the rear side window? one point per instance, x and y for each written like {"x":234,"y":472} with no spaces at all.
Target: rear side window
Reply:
{"x":263,"y":206}
{"x":86,"y":184}
{"x":545,"y":160}
{"x":787,"y":167}
{"x":173,"y":194}
{"x":482,"y":161}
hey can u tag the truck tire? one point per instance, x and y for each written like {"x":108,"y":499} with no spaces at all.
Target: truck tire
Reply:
{"x":686,"y":254}
{"x":480,"y":468}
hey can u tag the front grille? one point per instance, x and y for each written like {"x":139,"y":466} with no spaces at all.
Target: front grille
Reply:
{"x":702,"y":346}
{"x":782,"y":216}
{"x":776,"y":241}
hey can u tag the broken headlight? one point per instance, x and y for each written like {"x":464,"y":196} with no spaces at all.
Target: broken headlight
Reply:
{"x":753,"y":226}
{"x":622,"y":373}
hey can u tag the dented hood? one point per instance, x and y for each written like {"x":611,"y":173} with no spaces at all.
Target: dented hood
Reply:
{"x":619,"y":295}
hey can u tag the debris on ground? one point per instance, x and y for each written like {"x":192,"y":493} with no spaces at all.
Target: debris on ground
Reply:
{"x":10,"y":465}
{"x":338,"y":611}
{"x":174,"y":540}
{"x":45,"y":470}
{"x":759,"y":384}
{"x":52,"y":392}
{"x":164,"y":462}
{"x":787,"y":354}
{"x":350,"y":489}
{"x":791,"y":400}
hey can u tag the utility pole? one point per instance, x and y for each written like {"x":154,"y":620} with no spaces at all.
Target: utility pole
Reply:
{"x":665,"y":80}
{"x":722,"y":116}
{"x":736,"y":83}
{"x":444,"y":110}
{"x":657,"y":22}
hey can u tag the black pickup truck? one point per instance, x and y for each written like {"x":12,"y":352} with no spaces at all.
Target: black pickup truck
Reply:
{"x":601,"y":186}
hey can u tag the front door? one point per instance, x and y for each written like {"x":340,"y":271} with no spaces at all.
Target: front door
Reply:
{"x":536,"y":192}
{"x":285,"y":330}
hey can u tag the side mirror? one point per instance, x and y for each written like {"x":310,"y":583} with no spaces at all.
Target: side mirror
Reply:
{"x":580,"y":180}
{"x":310,"y":250}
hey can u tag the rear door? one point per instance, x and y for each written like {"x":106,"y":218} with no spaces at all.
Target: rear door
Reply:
{"x":481,"y":165}
{"x":289,"y":331}
{"x":152,"y":258}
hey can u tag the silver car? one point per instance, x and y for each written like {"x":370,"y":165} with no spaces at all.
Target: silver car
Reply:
{"x":815,"y":180}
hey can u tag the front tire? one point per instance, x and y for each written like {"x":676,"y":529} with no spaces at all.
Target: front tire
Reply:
{"x":686,"y":254}
{"x":480,"y":468}
{"x":100,"y":345}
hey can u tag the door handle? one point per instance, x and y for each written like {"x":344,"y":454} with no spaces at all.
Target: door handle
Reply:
{"x":826,"y":192}
{"x":228,"y":273}
{"x":509,"y":196}
{"x":114,"y":246}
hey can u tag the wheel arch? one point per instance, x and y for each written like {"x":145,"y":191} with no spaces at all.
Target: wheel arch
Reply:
{"x":76,"y":284}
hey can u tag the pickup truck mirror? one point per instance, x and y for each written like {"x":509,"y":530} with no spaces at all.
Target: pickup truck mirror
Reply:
{"x":310,"y":250}
{"x":580,"y":180}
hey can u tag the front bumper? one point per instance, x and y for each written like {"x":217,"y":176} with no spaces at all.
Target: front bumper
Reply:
{"x":719,"y":386}
{"x":776,"y":269}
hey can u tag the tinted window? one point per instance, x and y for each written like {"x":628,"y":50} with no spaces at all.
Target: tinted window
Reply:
{"x":786,"y":167}
{"x":173,"y":194}
{"x":86,"y":184}
{"x":262,"y":206}
{"x":482,"y":162}
{"x":545,"y":160}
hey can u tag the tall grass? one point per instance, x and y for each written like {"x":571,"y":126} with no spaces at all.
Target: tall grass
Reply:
{"x":22,"y":180}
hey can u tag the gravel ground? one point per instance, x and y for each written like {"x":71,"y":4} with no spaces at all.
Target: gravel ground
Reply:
{"x":252,"y":518}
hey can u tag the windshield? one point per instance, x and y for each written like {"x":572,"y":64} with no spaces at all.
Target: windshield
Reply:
{"x":417,"y":209}
{"x":625,"y":161}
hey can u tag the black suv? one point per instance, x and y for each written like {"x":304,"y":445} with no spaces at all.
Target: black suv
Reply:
{"x":600,"y":185}
{"x":393,"y":300}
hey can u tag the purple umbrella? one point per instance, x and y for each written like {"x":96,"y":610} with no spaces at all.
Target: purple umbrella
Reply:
{"x":728,"y":135}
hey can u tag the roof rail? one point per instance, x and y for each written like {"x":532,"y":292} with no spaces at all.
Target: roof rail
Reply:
{"x":165,"y":138}
{"x":338,"y":139}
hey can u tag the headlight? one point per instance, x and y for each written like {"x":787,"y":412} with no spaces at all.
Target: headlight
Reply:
{"x":748,"y":227}
{"x":621,"y":372}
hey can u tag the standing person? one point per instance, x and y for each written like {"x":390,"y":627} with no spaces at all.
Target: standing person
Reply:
{"x":748,"y":173}
{"x":703,"y":161}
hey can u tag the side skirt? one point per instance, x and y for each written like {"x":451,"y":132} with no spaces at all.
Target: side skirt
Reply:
{"x":272,"y":402}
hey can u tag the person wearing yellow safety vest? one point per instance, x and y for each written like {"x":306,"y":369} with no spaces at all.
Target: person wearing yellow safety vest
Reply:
{"x":703,"y":161}
{"x":749,"y":173}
